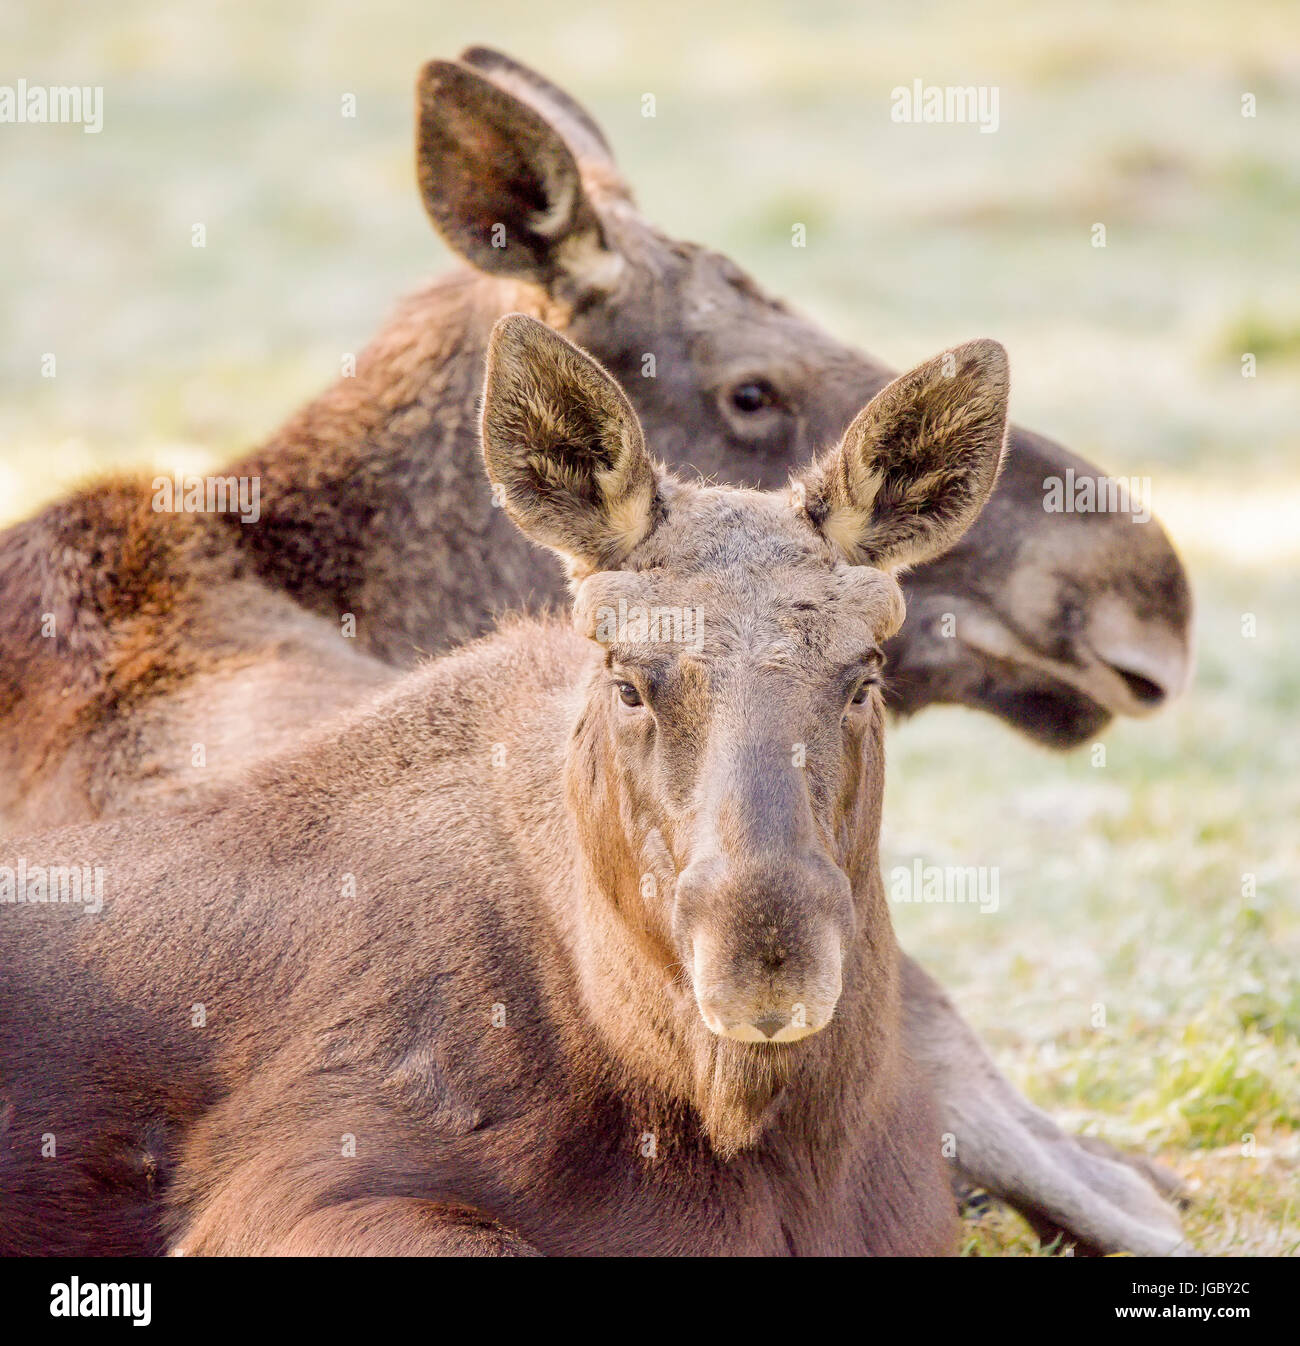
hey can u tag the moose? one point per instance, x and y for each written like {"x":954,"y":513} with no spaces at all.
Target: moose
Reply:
{"x":128,"y":636}
{"x":618,"y":974}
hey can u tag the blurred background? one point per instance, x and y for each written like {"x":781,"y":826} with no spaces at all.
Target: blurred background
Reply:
{"x":1120,"y":886}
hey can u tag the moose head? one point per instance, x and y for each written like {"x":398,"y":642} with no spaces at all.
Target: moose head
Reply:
{"x":726,"y":765}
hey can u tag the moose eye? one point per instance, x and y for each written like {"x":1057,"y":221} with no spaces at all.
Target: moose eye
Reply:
{"x":629,"y":695}
{"x":753,"y":395}
{"x":863,"y":692}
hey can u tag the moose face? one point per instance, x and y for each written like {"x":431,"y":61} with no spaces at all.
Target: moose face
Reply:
{"x":745,"y":758}
{"x":730,"y":744}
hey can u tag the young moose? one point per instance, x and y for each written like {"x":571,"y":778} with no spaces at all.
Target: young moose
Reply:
{"x":618,"y":973}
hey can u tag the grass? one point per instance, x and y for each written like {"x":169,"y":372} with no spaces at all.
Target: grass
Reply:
{"x":1122,"y":885}
{"x":1133,"y":981}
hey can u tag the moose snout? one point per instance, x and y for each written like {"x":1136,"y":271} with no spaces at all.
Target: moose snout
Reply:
{"x":765,"y":950}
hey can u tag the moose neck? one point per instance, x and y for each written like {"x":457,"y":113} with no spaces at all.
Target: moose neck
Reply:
{"x":631,"y":977}
{"x":363,"y":487}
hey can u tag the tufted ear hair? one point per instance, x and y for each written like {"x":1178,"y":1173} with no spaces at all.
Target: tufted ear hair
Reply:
{"x":914,"y":469}
{"x":564,"y":448}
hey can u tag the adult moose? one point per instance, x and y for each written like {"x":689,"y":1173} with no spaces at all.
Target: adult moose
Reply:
{"x":618,"y":975}
{"x":174,"y":633}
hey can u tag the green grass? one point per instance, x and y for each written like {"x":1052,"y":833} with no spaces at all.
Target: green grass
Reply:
{"x":1122,"y":885}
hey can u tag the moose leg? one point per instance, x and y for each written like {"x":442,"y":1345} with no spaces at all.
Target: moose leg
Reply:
{"x":1163,"y":1179}
{"x":400,"y":1227}
{"x":389,"y":1227}
{"x":1004,"y":1144}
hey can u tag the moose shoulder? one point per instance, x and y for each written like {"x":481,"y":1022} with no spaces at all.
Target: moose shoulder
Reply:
{"x":563,"y":944}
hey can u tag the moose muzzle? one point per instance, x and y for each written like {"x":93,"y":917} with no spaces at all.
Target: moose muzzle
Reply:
{"x":764,"y":944}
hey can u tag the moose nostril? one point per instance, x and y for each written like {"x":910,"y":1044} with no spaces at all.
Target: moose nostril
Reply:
{"x":1144,"y":691}
{"x":771,"y":1024}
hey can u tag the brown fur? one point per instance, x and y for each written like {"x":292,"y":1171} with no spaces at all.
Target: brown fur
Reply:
{"x":495,"y":812}
{"x":177,"y":632}
{"x":372,"y":1016}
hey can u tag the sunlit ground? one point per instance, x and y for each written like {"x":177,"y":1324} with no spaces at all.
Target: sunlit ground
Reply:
{"x":1122,"y":885}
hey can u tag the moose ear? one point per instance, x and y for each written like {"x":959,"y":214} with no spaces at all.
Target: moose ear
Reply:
{"x":916,"y":466}
{"x":503,"y":187}
{"x":564,"y":449}
{"x":578,"y":127}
